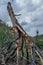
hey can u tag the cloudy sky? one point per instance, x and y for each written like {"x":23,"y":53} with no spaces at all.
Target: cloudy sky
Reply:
{"x":32,"y":14}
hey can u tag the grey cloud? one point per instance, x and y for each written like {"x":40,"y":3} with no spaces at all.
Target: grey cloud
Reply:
{"x":24,"y":23}
{"x":35,"y":12}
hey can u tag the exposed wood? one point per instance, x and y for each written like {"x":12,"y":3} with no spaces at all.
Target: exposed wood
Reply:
{"x":18,"y":29}
{"x":41,"y":59}
{"x":15,"y":22}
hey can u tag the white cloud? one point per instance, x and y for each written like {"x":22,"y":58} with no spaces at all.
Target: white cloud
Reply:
{"x":4,"y":2}
{"x":27,"y":19}
{"x":9,"y":23}
{"x":35,"y":2}
{"x":20,"y":2}
{"x":31,"y":10}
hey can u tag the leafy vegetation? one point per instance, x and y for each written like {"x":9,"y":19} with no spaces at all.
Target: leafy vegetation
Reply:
{"x":39,"y":41}
{"x":4,"y":34}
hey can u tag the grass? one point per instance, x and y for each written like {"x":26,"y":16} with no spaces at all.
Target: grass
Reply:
{"x":39,"y":41}
{"x":8,"y":36}
{"x":4,"y":36}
